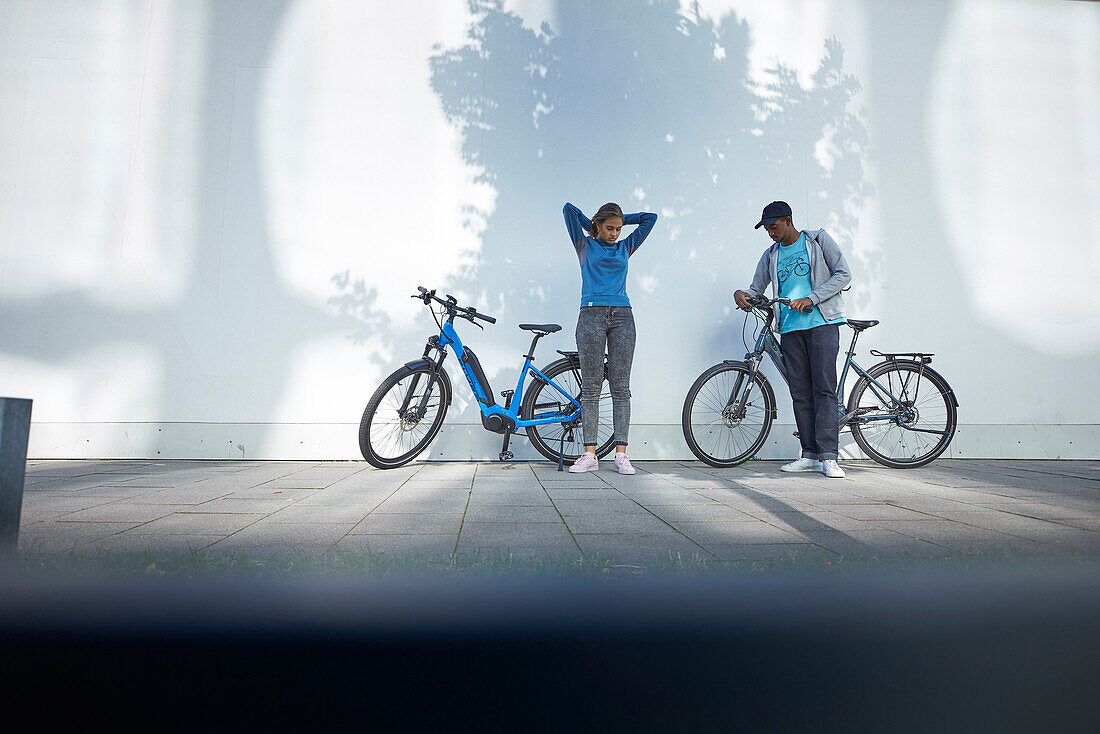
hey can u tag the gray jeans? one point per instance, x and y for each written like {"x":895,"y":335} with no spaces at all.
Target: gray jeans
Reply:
{"x":610,"y":328}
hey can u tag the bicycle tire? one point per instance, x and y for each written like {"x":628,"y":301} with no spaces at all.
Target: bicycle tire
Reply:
{"x":896,"y":446}
{"x":716,"y":438}
{"x":546,"y":437}
{"x":377,"y":430}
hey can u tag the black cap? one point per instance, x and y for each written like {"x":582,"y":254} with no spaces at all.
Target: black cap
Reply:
{"x":773,"y":212}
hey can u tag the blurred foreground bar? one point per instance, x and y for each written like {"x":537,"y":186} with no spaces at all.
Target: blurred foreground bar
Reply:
{"x":15,"y":428}
{"x":1005,"y":651}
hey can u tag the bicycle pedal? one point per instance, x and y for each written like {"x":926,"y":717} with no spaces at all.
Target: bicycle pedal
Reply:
{"x":505,"y":456}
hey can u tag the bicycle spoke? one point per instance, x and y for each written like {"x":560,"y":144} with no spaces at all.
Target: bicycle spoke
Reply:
{"x":894,"y":429}
{"x":392,"y":436}
{"x":713,"y":433}
{"x":547,"y":437}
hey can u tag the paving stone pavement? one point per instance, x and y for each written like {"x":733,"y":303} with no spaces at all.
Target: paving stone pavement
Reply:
{"x":437,"y":510}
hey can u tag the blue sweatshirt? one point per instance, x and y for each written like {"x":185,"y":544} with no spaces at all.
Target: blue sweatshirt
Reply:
{"x":603,"y":266}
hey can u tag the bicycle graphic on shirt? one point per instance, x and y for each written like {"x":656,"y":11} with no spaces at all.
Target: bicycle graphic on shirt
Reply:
{"x":800,"y":268}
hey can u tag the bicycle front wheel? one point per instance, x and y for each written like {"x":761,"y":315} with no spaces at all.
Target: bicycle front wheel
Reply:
{"x":544,"y":400}
{"x":883,"y":420}
{"x":720,"y":428}
{"x":403,"y":416}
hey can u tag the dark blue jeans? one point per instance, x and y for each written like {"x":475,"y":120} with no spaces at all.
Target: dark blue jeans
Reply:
{"x":810,"y":359}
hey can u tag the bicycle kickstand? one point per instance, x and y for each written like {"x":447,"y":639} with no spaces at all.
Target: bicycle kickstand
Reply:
{"x":561,"y":446}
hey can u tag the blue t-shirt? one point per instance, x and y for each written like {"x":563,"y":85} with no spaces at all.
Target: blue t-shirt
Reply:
{"x":792,"y":270}
{"x":604,"y":266}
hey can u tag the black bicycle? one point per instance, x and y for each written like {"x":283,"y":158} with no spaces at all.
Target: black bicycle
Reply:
{"x":901,"y":412}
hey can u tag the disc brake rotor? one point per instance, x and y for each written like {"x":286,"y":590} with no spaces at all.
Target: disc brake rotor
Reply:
{"x":729,"y":418}
{"x":409,"y":421}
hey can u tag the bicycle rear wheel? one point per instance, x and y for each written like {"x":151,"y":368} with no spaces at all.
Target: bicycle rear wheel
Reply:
{"x":544,"y":400}
{"x":715,"y":432}
{"x":918,"y":397}
{"x":403,"y":416}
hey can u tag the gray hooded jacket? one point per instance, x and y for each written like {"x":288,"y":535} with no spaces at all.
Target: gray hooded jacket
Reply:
{"x":829,"y":273}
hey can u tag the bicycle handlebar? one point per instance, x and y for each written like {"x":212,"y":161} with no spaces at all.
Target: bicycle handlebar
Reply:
{"x":451,"y":304}
{"x":764,"y":303}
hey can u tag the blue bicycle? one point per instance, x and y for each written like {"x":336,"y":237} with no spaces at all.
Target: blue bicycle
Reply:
{"x":407,"y":410}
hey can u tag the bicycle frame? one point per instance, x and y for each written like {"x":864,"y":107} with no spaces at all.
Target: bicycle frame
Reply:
{"x":883,"y":393}
{"x":449,"y":337}
{"x":766,"y":343}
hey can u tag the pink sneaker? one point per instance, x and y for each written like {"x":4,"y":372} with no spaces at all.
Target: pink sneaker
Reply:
{"x":622,"y":464}
{"x":587,"y":462}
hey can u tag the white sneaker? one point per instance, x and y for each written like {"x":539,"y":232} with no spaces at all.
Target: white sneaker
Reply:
{"x":622,"y":464}
{"x":586,"y":462}
{"x":802,"y":465}
{"x":830,"y":468}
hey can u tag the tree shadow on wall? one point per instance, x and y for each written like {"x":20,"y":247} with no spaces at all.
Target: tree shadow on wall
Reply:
{"x":641,"y":105}
{"x":196,"y":385}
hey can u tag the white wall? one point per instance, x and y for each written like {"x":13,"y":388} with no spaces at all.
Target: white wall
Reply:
{"x":212,"y":213}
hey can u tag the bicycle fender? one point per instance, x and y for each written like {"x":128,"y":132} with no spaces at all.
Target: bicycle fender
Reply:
{"x":443,"y":376}
{"x":950,"y":389}
{"x":925,"y":368}
{"x":763,"y":379}
{"x":565,"y":360}
{"x":554,"y":365}
{"x":573,"y":358}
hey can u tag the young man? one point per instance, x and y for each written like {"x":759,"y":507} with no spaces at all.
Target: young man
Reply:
{"x":808,"y":268}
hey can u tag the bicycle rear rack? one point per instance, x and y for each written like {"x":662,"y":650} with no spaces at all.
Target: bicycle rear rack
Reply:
{"x":922,"y":357}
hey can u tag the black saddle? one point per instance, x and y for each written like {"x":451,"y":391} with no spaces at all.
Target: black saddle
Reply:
{"x":861,"y":325}
{"x":544,"y":328}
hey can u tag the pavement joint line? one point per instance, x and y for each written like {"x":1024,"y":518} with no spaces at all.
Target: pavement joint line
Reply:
{"x":554,"y":504}
{"x":800,"y":533}
{"x":371,"y":510}
{"x":71,"y":512}
{"x":462,"y":522}
{"x":652,"y":514}
{"x":933,"y":542}
{"x":1063,"y":521}
{"x":1002,"y":532}
{"x":1051,"y":473}
{"x":230,"y":535}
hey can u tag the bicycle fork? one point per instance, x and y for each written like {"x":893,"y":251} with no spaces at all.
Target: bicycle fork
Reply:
{"x":422,"y":406}
{"x":765,"y":344}
{"x":738,"y":401}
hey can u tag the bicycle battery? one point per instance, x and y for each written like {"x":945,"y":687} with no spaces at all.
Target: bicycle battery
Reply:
{"x":473,"y":367}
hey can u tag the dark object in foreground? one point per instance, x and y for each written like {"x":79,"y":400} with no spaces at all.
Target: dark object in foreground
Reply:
{"x":997,"y":651}
{"x":15,"y":427}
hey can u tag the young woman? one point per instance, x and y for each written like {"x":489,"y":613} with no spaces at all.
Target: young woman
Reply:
{"x":606,"y":321}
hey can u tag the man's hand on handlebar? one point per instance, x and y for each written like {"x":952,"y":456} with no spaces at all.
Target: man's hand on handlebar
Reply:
{"x":802,"y":305}
{"x":746,"y":301}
